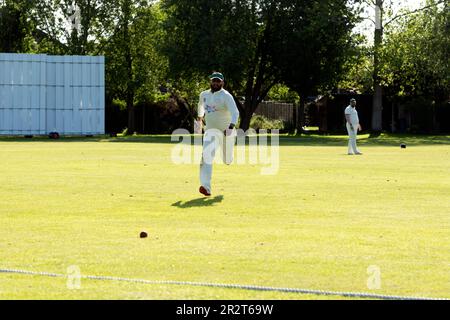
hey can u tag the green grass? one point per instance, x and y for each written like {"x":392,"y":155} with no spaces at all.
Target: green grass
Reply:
{"x":318,"y":224}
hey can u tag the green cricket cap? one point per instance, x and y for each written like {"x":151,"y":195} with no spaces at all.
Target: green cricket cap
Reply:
{"x":216,"y":75}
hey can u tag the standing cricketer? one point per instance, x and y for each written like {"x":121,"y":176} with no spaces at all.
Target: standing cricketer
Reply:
{"x":352,"y":123}
{"x":217,"y":107}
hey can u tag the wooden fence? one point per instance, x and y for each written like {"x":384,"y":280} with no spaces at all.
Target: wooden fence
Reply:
{"x":276,"y":110}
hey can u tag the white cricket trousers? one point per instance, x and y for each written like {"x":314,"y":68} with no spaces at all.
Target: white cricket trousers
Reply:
{"x":213,"y":139}
{"x":352,"y":134}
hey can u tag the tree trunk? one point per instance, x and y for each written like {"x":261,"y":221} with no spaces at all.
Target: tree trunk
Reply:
{"x":129,"y":65}
{"x":131,"y":118}
{"x":393,"y":118}
{"x":245,"y":110}
{"x":295,"y":118}
{"x":300,"y":119}
{"x":301,"y":115}
{"x":377,"y":102}
{"x":377,"y":108}
{"x":245,"y":121}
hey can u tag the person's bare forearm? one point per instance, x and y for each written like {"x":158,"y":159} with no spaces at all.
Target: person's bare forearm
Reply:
{"x":200,"y":124}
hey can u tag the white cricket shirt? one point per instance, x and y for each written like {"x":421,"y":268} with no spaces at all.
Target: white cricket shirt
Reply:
{"x":354,"y":120}
{"x":218,"y":108}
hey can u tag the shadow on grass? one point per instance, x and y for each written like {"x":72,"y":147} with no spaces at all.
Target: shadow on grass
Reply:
{"x":199,"y":202}
{"x":383,"y":139}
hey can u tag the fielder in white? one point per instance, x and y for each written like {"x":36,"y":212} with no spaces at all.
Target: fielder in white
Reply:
{"x":217,"y":107}
{"x":352,"y":124}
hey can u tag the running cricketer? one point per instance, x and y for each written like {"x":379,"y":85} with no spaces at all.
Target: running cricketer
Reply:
{"x":218,"y":108}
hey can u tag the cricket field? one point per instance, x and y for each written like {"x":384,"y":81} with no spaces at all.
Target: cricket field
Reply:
{"x":377,"y":223}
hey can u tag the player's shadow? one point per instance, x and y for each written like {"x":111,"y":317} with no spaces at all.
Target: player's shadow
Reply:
{"x":199,"y":202}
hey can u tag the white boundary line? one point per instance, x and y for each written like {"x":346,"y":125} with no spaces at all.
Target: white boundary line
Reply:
{"x":229,"y":286}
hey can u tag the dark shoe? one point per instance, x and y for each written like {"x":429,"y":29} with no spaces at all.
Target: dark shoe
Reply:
{"x":203,"y":191}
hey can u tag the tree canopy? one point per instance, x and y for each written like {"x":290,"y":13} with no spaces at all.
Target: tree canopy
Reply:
{"x":267,"y":49}
{"x":258,"y":44}
{"x":416,"y":55}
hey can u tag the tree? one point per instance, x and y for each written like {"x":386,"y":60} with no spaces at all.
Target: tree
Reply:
{"x":383,"y":8}
{"x":416,"y":55}
{"x":255,"y":44}
{"x":320,"y":45}
{"x":134,"y":67}
{"x":73,"y":26}
{"x":15,"y":25}
{"x":359,"y":72}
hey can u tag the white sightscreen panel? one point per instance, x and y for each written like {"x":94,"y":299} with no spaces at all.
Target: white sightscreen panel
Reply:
{"x":84,"y":120}
{"x":35,"y":82}
{"x":8,"y":69}
{"x":92,"y":123}
{"x":101,"y":60}
{"x":68,"y":122}
{"x":85,"y":83}
{"x":50,"y":84}
{"x":95,"y":97}
{"x":15,"y":65}
{"x":59,"y":97}
{"x":100,"y":120}
{"x":7,"y":124}
{"x":51,"y":112}
{"x":40,"y":93}
{"x":3,"y":64}
{"x":7,"y":121}
{"x":86,"y":72}
{"x":76,"y":72}
{"x":25,"y":120}
{"x":89,"y":121}
{"x":76,"y":120}
{"x":67,"y":83}
{"x":19,"y":94}
{"x":77,"y":99}
{"x":95,"y":72}
{"x":76,"y":107}
{"x":59,"y":82}
{"x":35,"y":121}
{"x":4,"y":94}
{"x":2,"y":120}
{"x":59,"y":115}
{"x":101,"y":112}
{"x":75,"y":89}
{"x":50,"y":115}
{"x":8,"y":96}
{"x":59,"y":70}
{"x":16,"y":92}
{"x":43,"y":93}
{"x":25,"y":103}
{"x":50,"y":98}
{"x":16,"y":127}
{"x":86,"y":98}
